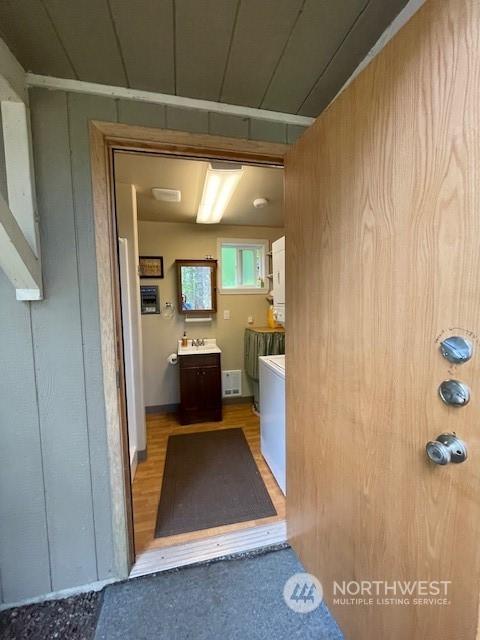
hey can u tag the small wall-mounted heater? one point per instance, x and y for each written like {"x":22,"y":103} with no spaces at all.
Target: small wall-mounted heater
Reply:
{"x":232,"y":383}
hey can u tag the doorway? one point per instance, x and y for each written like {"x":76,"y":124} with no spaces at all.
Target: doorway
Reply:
{"x":141,"y":504}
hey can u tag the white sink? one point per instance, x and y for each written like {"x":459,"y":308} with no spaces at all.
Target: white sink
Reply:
{"x":210,"y":346}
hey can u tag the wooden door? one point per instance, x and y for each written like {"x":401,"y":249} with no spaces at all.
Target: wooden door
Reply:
{"x":383,"y":261}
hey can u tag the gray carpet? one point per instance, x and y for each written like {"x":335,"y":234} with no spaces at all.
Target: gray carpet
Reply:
{"x":237,"y":599}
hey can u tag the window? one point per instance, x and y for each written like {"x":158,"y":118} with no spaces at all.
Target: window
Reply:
{"x":243,"y":265}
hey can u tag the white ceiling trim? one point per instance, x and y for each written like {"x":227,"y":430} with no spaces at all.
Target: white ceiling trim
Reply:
{"x":78,"y":86}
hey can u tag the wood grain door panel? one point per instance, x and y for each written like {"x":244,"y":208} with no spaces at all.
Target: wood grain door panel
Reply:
{"x":383,"y":260}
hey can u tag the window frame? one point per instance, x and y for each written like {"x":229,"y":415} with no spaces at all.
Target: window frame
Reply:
{"x":239,"y":243}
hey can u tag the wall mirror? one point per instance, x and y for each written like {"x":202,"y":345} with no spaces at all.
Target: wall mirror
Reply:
{"x":197,"y":287}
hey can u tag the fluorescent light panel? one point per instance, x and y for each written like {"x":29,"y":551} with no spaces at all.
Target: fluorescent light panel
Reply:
{"x":220,"y":183}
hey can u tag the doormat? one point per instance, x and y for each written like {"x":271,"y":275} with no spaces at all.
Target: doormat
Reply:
{"x":210,"y":479}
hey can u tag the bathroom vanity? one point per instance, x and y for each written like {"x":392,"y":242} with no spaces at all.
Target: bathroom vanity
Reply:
{"x":200,"y":382}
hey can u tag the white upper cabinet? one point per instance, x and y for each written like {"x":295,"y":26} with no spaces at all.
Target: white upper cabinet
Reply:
{"x":278,"y":261}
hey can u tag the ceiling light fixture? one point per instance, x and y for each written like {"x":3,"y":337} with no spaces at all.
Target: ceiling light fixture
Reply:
{"x":220,"y":182}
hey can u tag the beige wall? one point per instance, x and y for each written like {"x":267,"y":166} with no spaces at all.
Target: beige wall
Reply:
{"x":160,"y":336}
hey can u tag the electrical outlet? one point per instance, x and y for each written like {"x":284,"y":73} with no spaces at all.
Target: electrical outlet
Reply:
{"x":226,"y":315}
{"x":250,"y":319}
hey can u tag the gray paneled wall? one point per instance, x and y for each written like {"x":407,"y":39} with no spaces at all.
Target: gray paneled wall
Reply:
{"x":55,"y":510}
{"x":221,"y":124}
{"x":284,"y":55}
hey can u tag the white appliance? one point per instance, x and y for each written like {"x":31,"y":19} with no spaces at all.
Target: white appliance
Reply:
{"x":278,"y":274}
{"x":272,"y":415}
{"x":132,"y":353}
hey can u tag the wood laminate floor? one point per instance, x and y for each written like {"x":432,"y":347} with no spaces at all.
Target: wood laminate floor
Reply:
{"x":148,"y":478}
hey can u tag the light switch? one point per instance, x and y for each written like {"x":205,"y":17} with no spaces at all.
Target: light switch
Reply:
{"x":226,"y":314}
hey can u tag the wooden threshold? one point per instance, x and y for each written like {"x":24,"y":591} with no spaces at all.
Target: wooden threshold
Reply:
{"x":209,"y":548}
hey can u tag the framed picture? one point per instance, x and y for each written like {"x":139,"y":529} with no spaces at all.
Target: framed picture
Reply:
{"x":151,"y":266}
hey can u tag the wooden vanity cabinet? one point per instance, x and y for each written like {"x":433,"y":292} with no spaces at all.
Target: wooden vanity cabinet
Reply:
{"x":200,"y":388}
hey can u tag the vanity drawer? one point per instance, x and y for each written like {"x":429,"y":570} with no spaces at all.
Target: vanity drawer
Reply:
{"x":200,"y":360}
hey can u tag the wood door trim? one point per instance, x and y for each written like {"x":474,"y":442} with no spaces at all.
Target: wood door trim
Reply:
{"x":105,"y":139}
{"x":199,"y":145}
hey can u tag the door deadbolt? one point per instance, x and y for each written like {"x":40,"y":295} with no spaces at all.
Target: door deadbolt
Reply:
{"x":456,"y":349}
{"x":454,"y":393}
{"x":447,"y":448}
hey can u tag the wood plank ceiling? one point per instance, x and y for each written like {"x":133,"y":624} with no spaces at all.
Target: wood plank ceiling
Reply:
{"x":284,"y":55}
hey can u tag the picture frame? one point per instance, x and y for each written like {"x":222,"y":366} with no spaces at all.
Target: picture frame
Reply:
{"x":150,"y":267}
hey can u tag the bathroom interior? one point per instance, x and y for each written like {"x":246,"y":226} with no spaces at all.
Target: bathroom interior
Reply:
{"x":201,"y":250}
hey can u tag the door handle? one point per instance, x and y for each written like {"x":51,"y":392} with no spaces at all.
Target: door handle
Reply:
{"x":447,"y":448}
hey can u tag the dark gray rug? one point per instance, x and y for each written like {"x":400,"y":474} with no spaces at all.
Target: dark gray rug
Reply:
{"x":210,"y":479}
{"x":227,"y":600}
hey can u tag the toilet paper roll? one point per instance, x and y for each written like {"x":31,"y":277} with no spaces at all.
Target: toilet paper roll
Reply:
{"x":172,"y":358}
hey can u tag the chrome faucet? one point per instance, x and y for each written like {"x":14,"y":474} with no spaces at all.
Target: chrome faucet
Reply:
{"x":198,"y":342}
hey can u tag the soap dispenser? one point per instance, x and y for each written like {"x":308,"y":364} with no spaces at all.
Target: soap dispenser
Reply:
{"x":184,"y":339}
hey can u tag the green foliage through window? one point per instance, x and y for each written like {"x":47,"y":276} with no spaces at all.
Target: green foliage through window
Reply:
{"x":196,"y":288}
{"x":242,"y":266}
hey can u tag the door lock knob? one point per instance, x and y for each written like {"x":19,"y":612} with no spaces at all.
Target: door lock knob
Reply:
{"x":447,"y":448}
{"x":454,"y":393}
{"x":456,"y":349}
